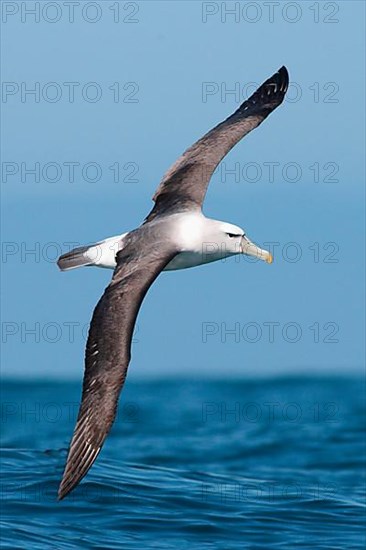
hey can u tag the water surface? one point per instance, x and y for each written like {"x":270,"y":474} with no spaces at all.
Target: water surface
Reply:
{"x":190,"y":464}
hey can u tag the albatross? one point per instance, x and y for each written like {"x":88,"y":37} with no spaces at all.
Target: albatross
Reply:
{"x":174,"y":235}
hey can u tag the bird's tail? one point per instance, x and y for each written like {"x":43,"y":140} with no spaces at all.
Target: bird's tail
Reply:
{"x":101,"y":254}
{"x":78,"y":257}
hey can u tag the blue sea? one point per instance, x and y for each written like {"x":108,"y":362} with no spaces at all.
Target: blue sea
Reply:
{"x":190,"y":465}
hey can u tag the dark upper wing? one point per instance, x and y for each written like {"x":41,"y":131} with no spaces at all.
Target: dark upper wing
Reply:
{"x":108,"y":352}
{"x":185,"y":184}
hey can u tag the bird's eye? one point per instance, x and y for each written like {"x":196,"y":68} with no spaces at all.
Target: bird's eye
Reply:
{"x":232,"y":235}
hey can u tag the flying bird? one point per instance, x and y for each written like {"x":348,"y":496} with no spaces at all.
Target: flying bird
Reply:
{"x":174,"y":235}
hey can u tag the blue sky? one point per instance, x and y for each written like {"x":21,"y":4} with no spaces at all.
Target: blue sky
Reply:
{"x":118,"y":96}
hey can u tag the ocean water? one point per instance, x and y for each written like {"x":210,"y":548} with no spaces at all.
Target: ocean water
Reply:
{"x":190,"y":464}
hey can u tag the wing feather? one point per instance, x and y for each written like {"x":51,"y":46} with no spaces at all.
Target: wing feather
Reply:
{"x":184,"y":185}
{"x":108,"y":351}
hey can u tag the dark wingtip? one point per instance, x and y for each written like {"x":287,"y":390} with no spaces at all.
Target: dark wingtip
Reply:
{"x":63,"y":490}
{"x":283,"y":78}
{"x":268,"y":96}
{"x":275,"y":86}
{"x":78,"y":463}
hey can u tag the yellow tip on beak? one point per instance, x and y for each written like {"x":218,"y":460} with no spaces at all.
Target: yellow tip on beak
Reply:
{"x":269,"y":260}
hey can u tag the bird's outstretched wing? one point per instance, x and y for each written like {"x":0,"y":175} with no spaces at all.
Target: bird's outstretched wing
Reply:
{"x":108,"y":351}
{"x":185,"y":184}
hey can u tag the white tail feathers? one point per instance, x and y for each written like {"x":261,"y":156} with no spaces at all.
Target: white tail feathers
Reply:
{"x":101,"y":254}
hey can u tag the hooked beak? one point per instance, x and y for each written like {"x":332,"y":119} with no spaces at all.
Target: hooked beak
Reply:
{"x":251,"y":249}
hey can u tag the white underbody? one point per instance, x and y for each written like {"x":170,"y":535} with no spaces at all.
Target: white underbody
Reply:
{"x":103,"y":254}
{"x":200,"y":240}
{"x":193,"y":232}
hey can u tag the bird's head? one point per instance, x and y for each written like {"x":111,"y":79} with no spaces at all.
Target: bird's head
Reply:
{"x":233,"y":240}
